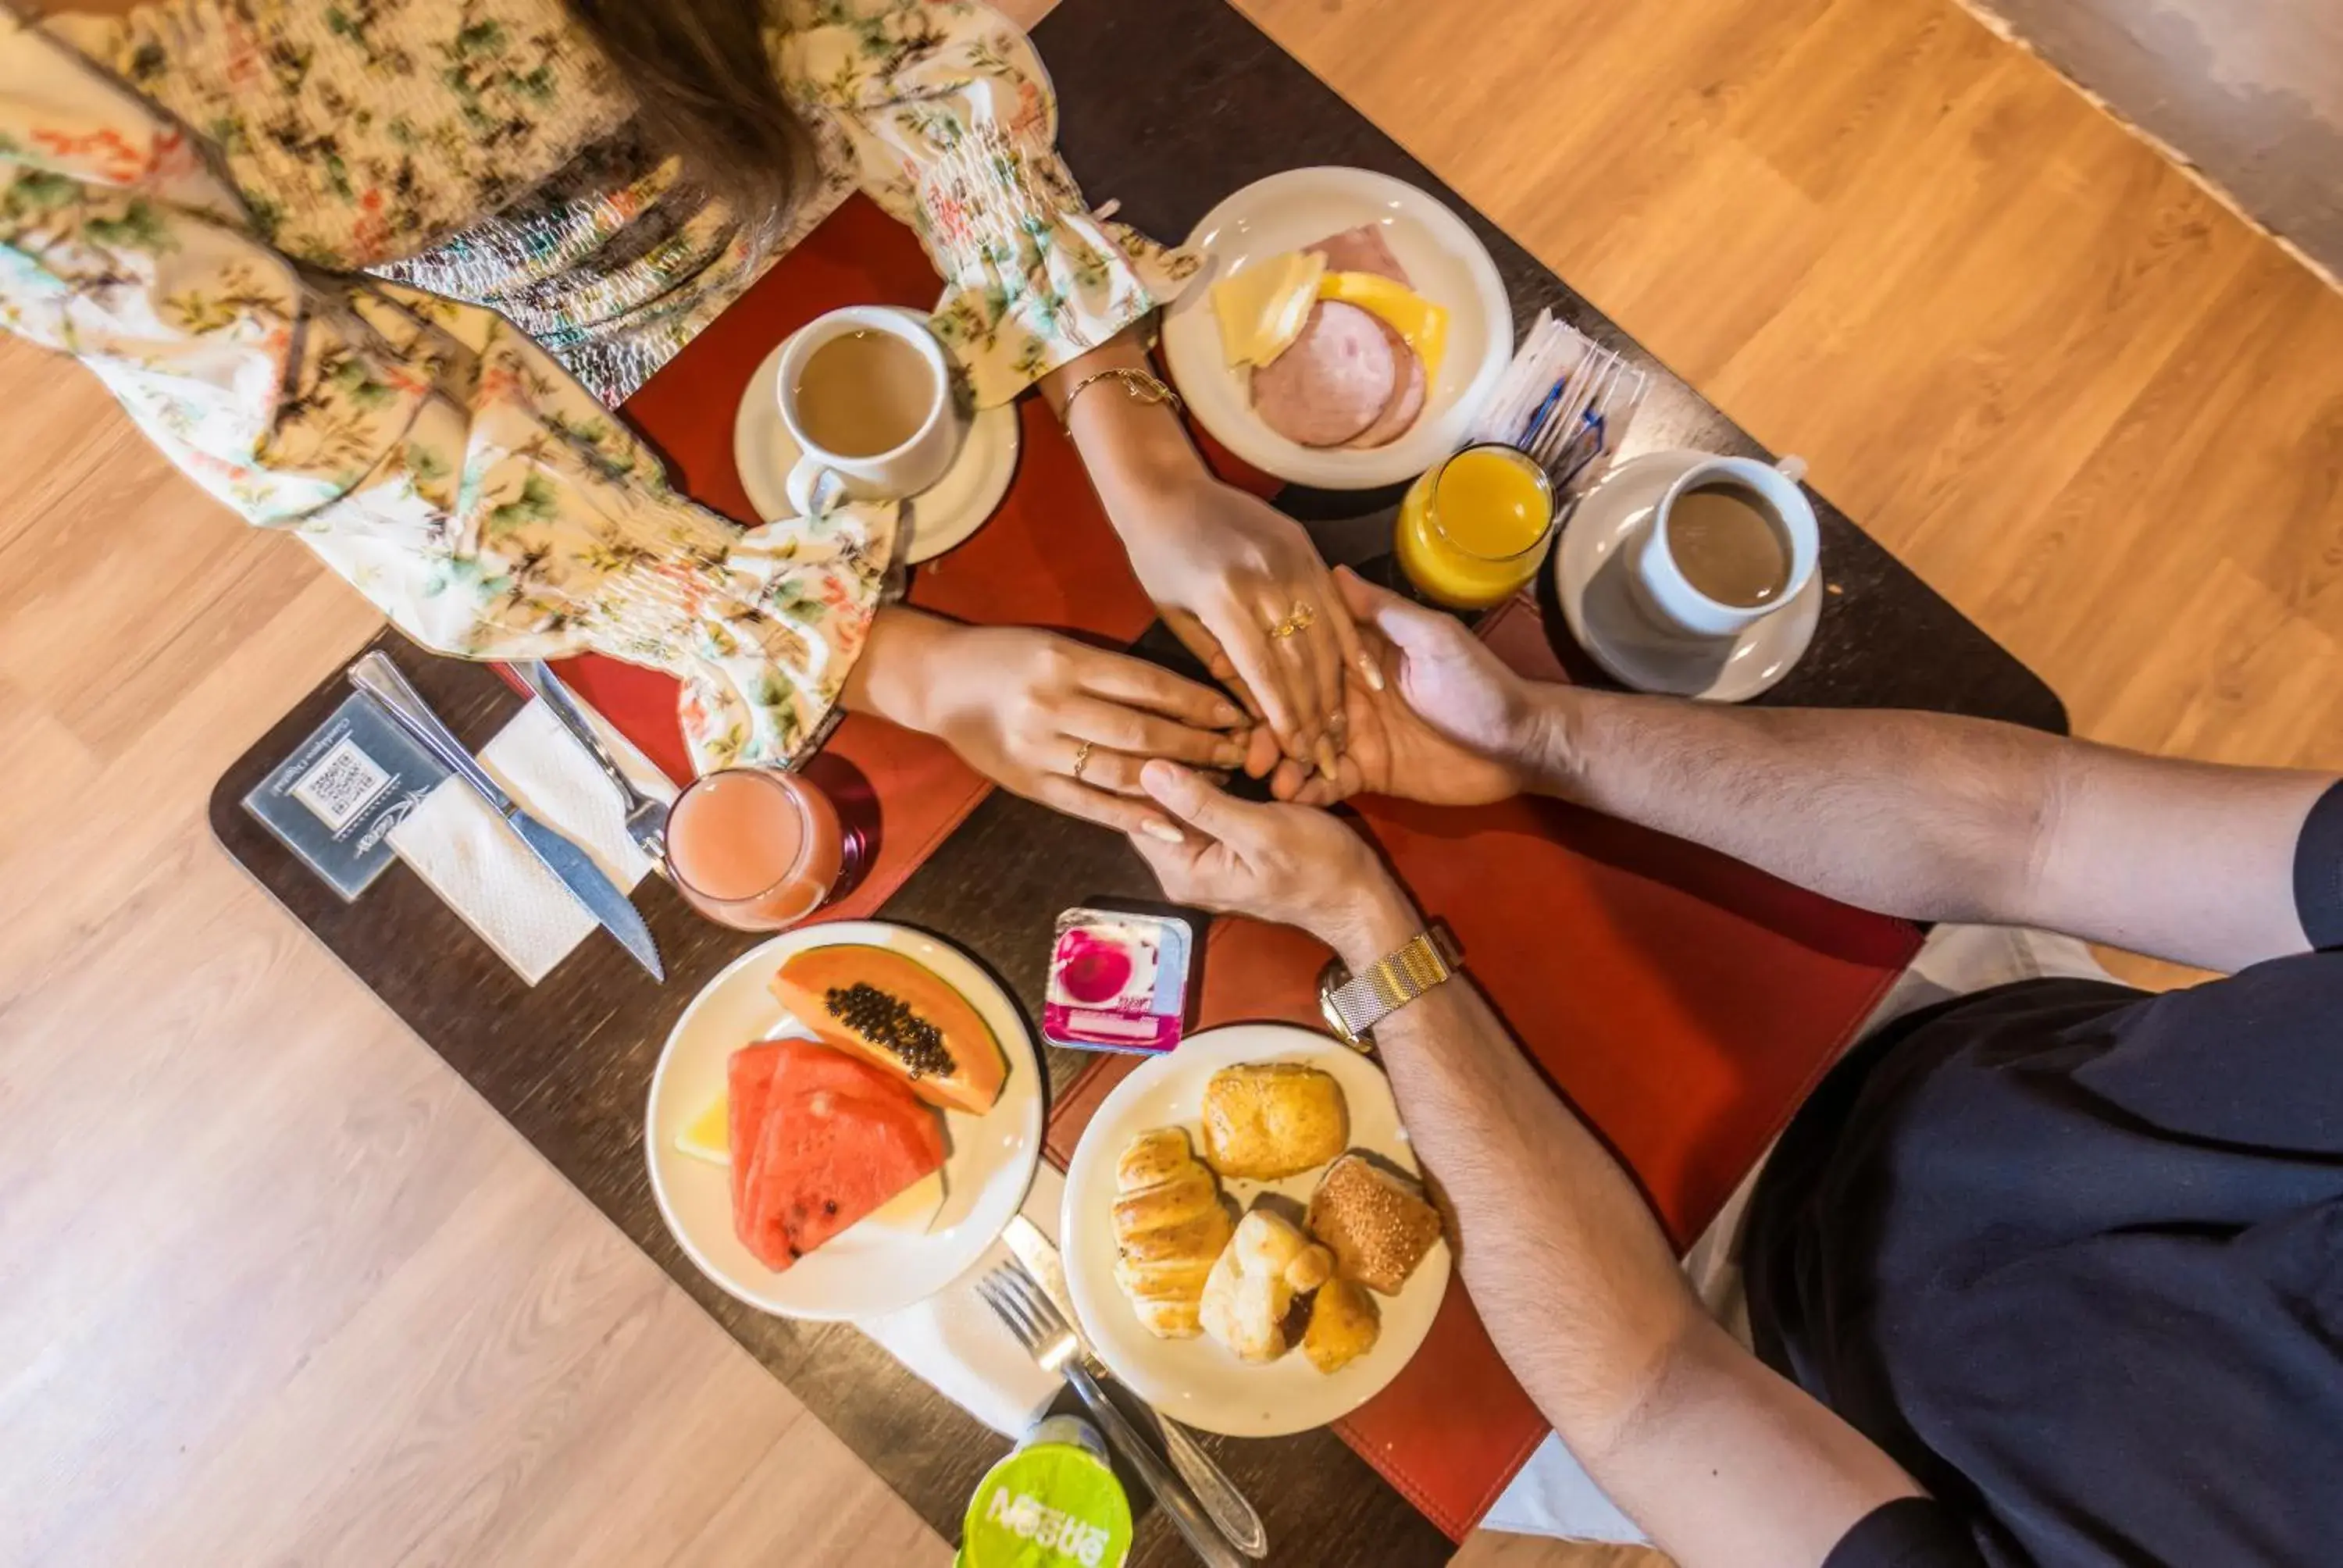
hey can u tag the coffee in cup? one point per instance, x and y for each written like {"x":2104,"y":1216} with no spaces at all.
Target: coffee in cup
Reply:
{"x":867,"y":393}
{"x":1730,"y":541}
{"x":1729,"y":545}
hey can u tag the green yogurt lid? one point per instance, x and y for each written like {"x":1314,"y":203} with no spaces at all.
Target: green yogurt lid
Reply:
{"x":1051,"y":1505}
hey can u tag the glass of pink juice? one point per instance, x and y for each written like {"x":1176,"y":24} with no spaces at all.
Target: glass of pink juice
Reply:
{"x":755,"y":848}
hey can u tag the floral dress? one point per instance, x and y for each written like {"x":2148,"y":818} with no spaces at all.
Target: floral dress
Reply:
{"x":371,"y":271}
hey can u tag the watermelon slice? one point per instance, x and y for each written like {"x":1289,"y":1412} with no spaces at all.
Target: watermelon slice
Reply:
{"x":747,"y":1090}
{"x":802,"y":1066}
{"x":833,"y":1139}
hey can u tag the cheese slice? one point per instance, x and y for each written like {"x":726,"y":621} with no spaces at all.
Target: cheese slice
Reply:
{"x":1262,"y":309}
{"x":1422,"y":325}
{"x":709,"y":1135}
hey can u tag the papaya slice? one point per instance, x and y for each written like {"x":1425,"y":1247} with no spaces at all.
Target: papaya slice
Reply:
{"x":897,"y":1013}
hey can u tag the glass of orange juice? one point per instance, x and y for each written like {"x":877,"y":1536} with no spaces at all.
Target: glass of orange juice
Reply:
{"x":756,"y":848}
{"x":1473,"y":530}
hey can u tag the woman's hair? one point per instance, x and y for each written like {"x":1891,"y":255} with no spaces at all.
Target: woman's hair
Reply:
{"x":709,"y":92}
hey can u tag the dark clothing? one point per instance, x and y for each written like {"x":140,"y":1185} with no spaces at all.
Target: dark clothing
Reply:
{"x":2319,"y":873}
{"x":1909,"y":1532}
{"x":2073,"y":1255}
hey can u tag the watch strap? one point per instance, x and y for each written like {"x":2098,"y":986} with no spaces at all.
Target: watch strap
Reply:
{"x":1365,"y":999}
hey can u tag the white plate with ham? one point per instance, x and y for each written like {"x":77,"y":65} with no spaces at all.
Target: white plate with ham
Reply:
{"x":1337,"y":384}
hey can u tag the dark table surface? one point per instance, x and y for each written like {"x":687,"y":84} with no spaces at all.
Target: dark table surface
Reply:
{"x":1167,"y":106}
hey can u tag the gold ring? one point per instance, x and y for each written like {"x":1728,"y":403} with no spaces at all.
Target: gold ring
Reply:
{"x":1081,"y":759}
{"x":1302,"y":618}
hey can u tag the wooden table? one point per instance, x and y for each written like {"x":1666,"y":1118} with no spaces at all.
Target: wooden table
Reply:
{"x":1166,"y":106}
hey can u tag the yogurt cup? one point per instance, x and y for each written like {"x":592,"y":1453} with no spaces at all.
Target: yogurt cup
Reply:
{"x":1054,"y":1502}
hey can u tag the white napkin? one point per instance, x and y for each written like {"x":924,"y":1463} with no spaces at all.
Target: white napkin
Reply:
{"x":966,"y":1355}
{"x":486,"y":874}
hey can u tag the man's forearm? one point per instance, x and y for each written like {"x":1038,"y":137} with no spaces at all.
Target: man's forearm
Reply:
{"x":1719,"y":1459}
{"x":1942,"y":818}
{"x":1577,"y":1285}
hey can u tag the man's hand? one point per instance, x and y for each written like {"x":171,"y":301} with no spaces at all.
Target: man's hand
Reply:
{"x":1449,"y":724}
{"x":1449,"y":677}
{"x":1293,"y":864}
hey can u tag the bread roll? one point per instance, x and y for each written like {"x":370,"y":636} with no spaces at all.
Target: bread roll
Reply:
{"x":1264,"y":1121}
{"x":1170,"y":1225}
{"x":1253,"y":1284}
{"x":1344,"y":1323}
{"x":1378,"y":1224}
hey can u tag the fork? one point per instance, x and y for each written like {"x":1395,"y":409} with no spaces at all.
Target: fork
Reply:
{"x":646,"y":821}
{"x":1020,"y":1304}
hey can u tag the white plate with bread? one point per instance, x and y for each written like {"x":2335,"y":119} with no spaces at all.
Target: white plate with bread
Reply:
{"x":1245,"y":1234}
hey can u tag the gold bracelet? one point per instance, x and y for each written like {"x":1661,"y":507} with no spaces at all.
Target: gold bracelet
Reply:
{"x":1137,"y":385}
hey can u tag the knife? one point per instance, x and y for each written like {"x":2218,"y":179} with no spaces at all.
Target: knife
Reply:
{"x":375,"y":675}
{"x":1219,"y":1495}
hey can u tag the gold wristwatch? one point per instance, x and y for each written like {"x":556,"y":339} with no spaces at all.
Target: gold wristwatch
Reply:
{"x":1355,"y":1004}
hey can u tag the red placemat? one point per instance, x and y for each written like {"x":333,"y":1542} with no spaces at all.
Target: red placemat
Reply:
{"x":1684,"y":1003}
{"x":1047,"y":557}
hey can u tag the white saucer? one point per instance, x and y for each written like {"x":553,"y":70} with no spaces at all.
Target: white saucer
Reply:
{"x":1591,"y":572}
{"x":934,"y":520}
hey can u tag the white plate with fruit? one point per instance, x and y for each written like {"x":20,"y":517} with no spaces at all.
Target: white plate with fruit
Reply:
{"x":1245,"y":1236}
{"x":843,"y":1121}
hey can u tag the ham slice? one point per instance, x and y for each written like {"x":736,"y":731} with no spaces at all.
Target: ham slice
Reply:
{"x":1362,"y":249}
{"x":1334,"y":382}
{"x":1406,"y":399}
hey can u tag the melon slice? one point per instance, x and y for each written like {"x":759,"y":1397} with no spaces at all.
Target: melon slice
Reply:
{"x":898,"y":1014}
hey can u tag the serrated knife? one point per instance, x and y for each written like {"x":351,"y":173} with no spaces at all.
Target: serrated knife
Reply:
{"x":375,"y":675}
{"x":1221,"y":1499}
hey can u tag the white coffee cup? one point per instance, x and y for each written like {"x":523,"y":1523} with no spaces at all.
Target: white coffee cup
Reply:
{"x":820,"y":475}
{"x":1661,"y":589}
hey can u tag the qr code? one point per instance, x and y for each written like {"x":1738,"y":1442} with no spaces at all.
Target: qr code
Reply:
{"x":341,"y":785}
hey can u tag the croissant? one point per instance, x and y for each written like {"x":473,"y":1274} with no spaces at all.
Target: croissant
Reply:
{"x":1170,"y":1224}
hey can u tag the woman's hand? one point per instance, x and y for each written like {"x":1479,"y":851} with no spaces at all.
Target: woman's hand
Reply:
{"x":1293,"y":864}
{"x":1228,"y":572}
{"x":1045,"y":716}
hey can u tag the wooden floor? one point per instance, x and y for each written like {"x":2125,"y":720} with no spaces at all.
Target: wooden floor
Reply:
{"x":274,"y":1287}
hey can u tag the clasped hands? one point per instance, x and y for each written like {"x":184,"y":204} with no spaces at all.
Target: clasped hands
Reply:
{"x":1444,"y":722}
{"x":1344,"y":688}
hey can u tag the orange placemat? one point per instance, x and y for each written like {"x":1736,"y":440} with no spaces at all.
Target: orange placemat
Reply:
{"x":1683,"y":1003}
{"x":1047,"y":557}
